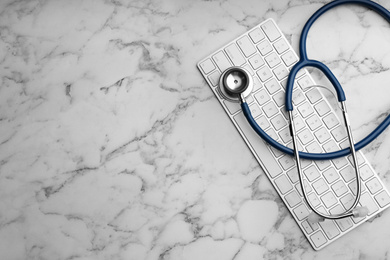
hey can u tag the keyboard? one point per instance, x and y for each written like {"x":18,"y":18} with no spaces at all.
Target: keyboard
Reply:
{"x":266,"y":54}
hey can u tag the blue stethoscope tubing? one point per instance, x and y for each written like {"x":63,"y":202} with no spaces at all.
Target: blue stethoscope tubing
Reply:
{"x":306,"y":62}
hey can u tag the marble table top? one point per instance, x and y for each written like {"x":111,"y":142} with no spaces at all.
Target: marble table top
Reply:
{"x":112,"y":146}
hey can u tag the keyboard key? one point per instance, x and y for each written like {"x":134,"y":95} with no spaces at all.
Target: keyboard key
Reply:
{"x":299,"y":123}
{"x":322,"y":108}
{"x":281,"y":46}
{"x":222,"y":61}
{"x":353,"y":187}
{"x":207,"y":66}
{"x":313,"y":148}
{"x":271,"y":31}
{"x":264,"y":73}
{"x":276,"y":152}
{"x":359,"y":158}
{"x":301,"y":211}
{"x":278,"y":122}
{"x":329,"y":228}
{"x":330,"y":175}
{"x":313,"y":199}
{"x":313,"y":95}
{"x":283,"y":184}
{"x":246,"y":46}
{"x":300,"y":73}
{"x":270,"y":109}
{"x":328,"y":199}
{"x":285,"y":113}
{"x":347,"y":200}
{"x":322,"y":135}
{"x":264,"y":47}
{"x":256,"y":84}
{"x":262,"y":97}
{"x":235,"y":55}
{"x":281,"y":72}
{"x":331,"y":146}
{"x":297,"y":96}
{"x":348,"y":173}
{"x":305,"y":82}
{"x":382,"y":198}
{"x":256,"y":61}
{"x":305,"y":109}
{"x":307,"y":188}
{"x":249,"y":69}
{"x":283,"y":83}
{"x":293,"y":199}
{"x":365,"y":172}
{"x":272,"y":86}
{"x":289,"y":58}
{"x":306,"y":226}
{"x":320,"y":186}
{"x":314,"y":122}
{"x":293,"y":175}
{"x":367,"y":201}
{"x":271,"y":132}
{"x":338,"y":209}
{"x":374,"y":185}
{"x":214,"y":77}
{"x":357,"y":220}
{"x":345,"y":223}
{"x":249,"y":100}
{"x":330,"y":121}
{"x":305,"y":136}
{"x":287,"y":161}
{"x":263,"y":122}
{"x":318,"y":239}
{"x":232,"y":106}
{"x":339,"y":133}
{"x":255,"y":110}
{"x":311,"y":173}
{"x":339,"y":188}
{"x":340,"y":162}
{"x":322,"y":164}
{"x":345,"y":144}
{"x":279,"y":98}
{"x":300,"y":148}
{"x":272,"y":60}
{"x":285,"y":135}
{"x":256,"y":35}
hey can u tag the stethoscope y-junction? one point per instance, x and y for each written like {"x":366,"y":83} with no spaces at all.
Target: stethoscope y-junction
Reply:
{"x":237,"y":83}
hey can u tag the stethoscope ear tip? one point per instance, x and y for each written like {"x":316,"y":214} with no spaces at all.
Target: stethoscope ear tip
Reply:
{"x":314,"y":218}
{"x":360,"y":212}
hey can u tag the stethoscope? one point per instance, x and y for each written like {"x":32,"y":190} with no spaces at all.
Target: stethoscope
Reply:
{"x":236,"y":83}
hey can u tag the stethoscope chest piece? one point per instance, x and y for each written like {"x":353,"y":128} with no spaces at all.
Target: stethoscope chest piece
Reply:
{"x":234,"y":83}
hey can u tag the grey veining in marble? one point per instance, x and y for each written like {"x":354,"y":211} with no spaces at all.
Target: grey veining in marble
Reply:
{"x":112,"y":146}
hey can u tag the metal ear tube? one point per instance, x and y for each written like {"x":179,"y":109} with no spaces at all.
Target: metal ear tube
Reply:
{"x":353,"y":211}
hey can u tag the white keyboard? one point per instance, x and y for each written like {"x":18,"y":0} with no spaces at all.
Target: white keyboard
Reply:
{"x":331,"y":185}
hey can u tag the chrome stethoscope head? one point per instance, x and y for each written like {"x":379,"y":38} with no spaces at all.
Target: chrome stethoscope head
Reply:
{"x":235,"y":84}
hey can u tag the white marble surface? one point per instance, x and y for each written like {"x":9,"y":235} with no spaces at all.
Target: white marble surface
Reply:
{"x":112,"y":146}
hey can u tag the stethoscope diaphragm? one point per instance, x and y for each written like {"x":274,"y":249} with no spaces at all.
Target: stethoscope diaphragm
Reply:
{"x":235,"y":83}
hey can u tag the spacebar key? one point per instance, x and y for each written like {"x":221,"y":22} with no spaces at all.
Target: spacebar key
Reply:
{"x":258,"y":145}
